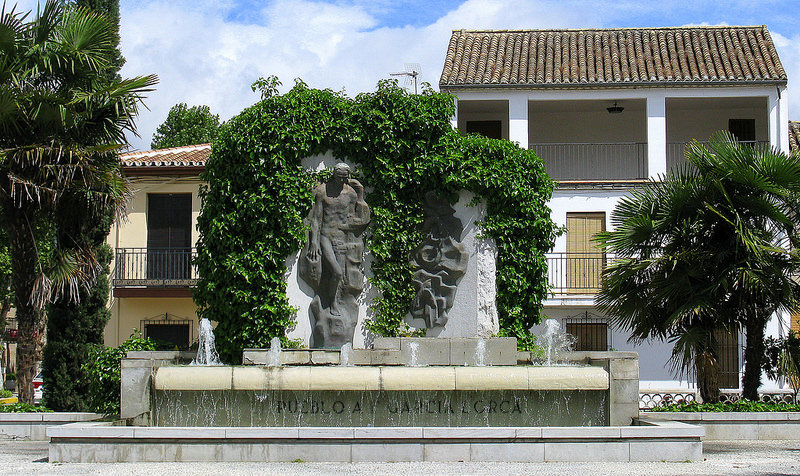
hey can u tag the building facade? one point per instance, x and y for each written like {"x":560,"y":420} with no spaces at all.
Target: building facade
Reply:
{"x":607,"y":110}
{"x":152,"y":272}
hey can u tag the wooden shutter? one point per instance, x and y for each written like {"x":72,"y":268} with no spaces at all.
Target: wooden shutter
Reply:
{"x":728,"y":358}
{"x":585,"y":261}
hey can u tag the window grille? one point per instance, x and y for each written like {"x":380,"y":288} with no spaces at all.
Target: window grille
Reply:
{"x":169,"y":332}
{"x":591,"y":332}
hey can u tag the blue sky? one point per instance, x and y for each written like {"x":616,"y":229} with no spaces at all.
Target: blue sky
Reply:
{"x":210,"y":51}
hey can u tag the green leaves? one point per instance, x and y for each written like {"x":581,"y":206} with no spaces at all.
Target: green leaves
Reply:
{"x":258,"y":195}
{"x":186,"y":126}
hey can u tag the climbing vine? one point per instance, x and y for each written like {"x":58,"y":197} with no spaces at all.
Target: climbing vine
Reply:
{"x":257,"y":195}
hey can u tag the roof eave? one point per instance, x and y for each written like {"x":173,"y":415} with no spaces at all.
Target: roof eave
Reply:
{"x":162,"y":171}
{"x":625,"y":85}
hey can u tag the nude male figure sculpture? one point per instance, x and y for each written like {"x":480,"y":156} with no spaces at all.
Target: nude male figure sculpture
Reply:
{"x":331,"y":260}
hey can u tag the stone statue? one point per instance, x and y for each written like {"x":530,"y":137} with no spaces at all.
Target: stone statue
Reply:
{"x":331,"y":260}
{"x":439,"y":264}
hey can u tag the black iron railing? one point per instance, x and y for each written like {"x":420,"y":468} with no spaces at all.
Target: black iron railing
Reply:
{"x":159,"y":267}
{"x":611,"y":161}
{"x":576,"y":273}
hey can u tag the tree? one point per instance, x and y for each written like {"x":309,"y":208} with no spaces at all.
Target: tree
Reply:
{"x":186,"y":126}
{"x":703,"y":250}
{"x":74,"y":326}
{"x":61,"y":119}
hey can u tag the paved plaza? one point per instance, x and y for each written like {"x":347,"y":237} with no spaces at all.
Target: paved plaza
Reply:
{"x":721,"y":458}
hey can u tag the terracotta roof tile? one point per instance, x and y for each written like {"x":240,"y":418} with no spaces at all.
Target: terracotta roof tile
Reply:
{"x":187,"y":156}
{"x":541,"y":58}
{"x":794,"y":136}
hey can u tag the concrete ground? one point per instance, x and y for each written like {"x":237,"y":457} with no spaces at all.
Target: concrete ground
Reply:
{"x":722,"y":458}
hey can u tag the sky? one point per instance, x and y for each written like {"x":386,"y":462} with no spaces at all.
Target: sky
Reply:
{"x":209,"y":52}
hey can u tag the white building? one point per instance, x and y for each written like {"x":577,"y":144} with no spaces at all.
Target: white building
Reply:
{"x":605,"y":110}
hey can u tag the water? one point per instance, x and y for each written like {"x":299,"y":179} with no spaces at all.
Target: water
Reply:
{"x":365,"y":408}
{"x":554,"y":340}
{"x":274,"y":353}
{"x":413,"y":354}
{"x":206,"y":348}
{"x":346,"y":355}
{"x":480,"y":353}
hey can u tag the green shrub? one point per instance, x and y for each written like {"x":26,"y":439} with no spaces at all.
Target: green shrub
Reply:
{"x":103,"y":372}
{"x":257,"y":195}
{"x":739,"y":406}
{"x":5,"y":393}
{"x":20,"y":407}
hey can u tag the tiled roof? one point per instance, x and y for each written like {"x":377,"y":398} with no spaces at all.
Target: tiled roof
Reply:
{"x":794,"y":135}
{"x":586,"y":58}
{"x":187,"y":156}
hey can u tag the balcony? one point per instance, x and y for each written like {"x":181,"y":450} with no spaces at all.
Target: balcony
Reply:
{"x":576,"y":273}
{"x":621,"y":161}
{"x":676,"y":151}
{"x":149,"y":268}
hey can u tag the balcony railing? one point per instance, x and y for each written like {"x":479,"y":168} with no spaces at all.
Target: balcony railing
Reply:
{"x":676,"y":151}
{"x":613,"y":161}
{"x":576,"y":273}
{"x":159,"y":267}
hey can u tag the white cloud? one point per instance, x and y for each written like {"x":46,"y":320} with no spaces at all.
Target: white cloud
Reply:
{"x":203,"y":59}
{"x":789,"y":52}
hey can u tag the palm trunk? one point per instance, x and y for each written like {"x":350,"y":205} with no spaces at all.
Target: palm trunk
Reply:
{"x":707,"y":368}
{"x":30,"y":317}
{"x":753,"y":355}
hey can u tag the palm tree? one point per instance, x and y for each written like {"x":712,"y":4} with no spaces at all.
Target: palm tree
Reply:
{"x":60,"y":121}
{"x":703,"y":250}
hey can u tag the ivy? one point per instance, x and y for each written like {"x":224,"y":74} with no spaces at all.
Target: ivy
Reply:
{"x":257,"y":195}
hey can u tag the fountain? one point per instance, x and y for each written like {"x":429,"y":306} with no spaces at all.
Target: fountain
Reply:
{"x":459,"y":396}
{"x":480,"y":353}
{"x":274,"y":358}
{"x":346,"y":355}
{"x":206,"y":348}
{"x":555,"y":341}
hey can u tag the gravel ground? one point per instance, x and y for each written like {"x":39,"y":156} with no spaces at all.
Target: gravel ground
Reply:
{"x":722,"y":458}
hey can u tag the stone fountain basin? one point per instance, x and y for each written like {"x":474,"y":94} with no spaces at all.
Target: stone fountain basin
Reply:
{"x":219,"y":378}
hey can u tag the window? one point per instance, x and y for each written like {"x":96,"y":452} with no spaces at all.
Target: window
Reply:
{"x":744,"y":130}
{"x":728,"y":358}
{"x":176,"y":335}
{"x":489,"y":129}
{"x":585,"y":261}
{"x":590,"y":333}
{"x":168,"y":331}
{"x":169,"y":235}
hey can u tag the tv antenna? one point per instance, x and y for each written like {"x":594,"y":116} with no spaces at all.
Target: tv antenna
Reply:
{"x":411,"y":73}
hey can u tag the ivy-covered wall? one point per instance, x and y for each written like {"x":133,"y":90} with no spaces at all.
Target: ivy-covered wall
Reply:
{"x":258,"y":195}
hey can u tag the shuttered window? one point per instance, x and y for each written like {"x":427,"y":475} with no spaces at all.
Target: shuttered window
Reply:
{"x":728,"y":358}
{"x":589,"y":335}
{"x":585,"y":261}
{"x":169,"y":235}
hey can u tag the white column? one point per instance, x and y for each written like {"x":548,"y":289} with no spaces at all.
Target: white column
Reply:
{"x":656,"y":134}
{"x":778,"y":111}
{"x":454,"y":119}
{"x":518,"y":119}
{"x":783,"y":120}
